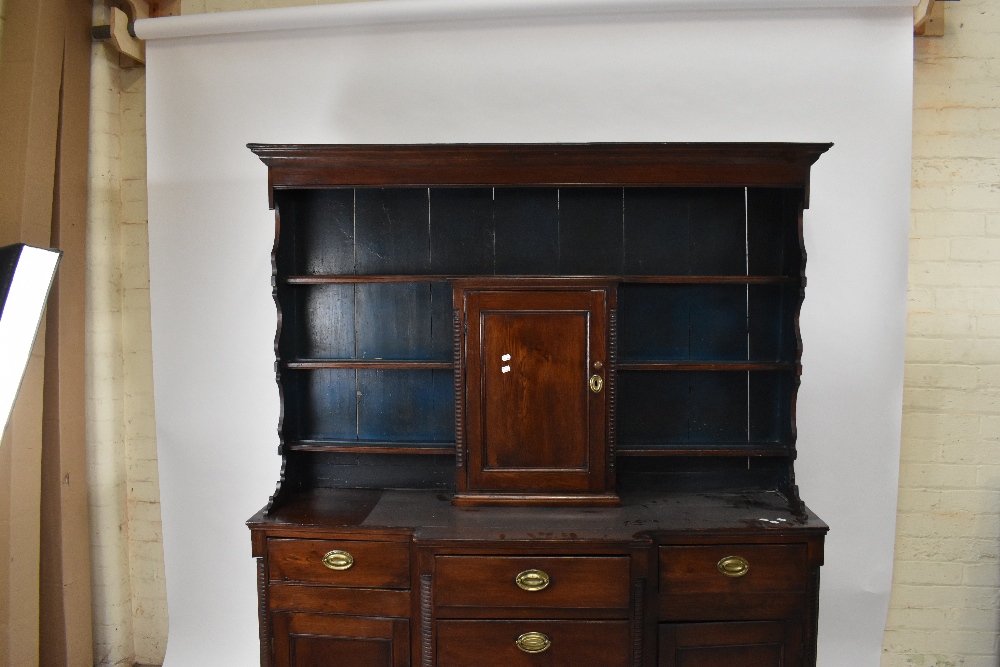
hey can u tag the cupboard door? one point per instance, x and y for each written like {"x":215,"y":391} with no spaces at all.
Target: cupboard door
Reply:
{"x":321,"y":640}
{"x":535,"y":423}
{"x":756,"y":644}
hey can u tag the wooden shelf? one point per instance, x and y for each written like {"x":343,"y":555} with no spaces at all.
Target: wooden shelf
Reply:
{"x":420,"y":278}
{"x":682,"y":448}
{"x":710,"y":280}
{"x":378,"y":364}
{"x":687,"y":365}
{"x":368,"y":447}
{"x":330,"y":279}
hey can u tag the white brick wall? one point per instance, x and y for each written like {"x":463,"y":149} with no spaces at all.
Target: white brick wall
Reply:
{"x":130,"y":617}
{"x":944,"y":608}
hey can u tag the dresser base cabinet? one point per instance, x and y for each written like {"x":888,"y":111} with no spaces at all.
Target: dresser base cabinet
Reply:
{"x":405,"y":578}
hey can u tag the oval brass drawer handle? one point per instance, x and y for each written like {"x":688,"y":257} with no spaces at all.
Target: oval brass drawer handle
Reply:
{"x":338,"y":560}
{"x":533,"y":642}
{"x":532,"y":580}
{"x":734,"y":566}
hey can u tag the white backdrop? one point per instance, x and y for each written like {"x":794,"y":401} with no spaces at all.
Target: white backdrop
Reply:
{"x":840,"y":75}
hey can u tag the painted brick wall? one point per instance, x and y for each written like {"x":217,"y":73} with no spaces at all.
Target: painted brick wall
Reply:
{"x":944,"y":607}
{"x":130,"y":615}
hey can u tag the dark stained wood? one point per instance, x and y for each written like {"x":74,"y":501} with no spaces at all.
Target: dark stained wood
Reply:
{"x":366,"y":469}
{"x":403,"y":321}
{"x":263,"y":614}
{"x":717,"y":164}
{"x":676,"y":448}
{"x":533,"y":424}
{"x":386,"y":364}
{"x":461,"y":230}
{"x":489,"y":581}
{"x":376,"y":564}
{"x":418,"y":278}
{"x":392,"y":232}
{"x":405,"y":405}
{"x":319,"y":640}
{"x":732,"y":607}
{"x":358,"y":446}
{"x":727,"y":644}
{"x":590,"y":231}
{"x":693,"y":569}
{"x":321,"y":404}
{"x":704,"y":366}
{"x":337,"y":600}
{"x":402,"y":274}
{"x":673,"y":518}
{"x":526,"y":224}
{"x":573,"y":643}
{"x":394,"y":278}
{"x":319,"y":232}
{"x":772,"y":244}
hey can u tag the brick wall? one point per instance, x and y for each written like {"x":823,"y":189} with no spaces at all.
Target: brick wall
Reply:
{"x":944,"y":607}
{"x":130,"y":616}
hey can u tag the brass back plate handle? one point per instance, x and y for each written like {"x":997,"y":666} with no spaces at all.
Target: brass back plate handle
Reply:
{"x":338,"y":560}
{"x":733,"y":566}
{"x":532,"y":580}
{"x":533,"y":642}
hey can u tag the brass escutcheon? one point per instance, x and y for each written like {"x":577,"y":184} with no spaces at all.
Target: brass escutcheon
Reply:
{"x":338,"y":560}
{"x":532,"y":580}
{"x":533,"y":642}
{"x":733,"y":566}
{"x":596,"y":383}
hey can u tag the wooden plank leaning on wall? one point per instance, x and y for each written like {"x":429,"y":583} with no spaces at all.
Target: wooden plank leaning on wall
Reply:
{"x":45,"y":595}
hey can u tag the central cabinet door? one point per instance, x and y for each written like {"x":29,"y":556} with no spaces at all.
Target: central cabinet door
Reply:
{"x":535,"y":392}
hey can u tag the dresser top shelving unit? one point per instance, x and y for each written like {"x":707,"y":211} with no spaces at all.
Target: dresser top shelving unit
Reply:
{"x":704,"y":242}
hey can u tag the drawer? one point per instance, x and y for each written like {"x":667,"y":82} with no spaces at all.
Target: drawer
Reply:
{"x":545,"y":581}
{"x":769,"y":568}
{"x":563,"y":643}
{"x":351,"y":563}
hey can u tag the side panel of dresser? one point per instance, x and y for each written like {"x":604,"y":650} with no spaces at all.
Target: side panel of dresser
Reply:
{"x":333,"y":598}
{"x":749,"y":598}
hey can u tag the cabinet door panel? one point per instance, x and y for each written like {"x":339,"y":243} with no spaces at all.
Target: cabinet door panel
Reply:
{"x":320,"y":640}
{"x":759,"y":644}
{"x":534,"y":423}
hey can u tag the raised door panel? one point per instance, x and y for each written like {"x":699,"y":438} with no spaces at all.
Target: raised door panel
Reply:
{"x":321,"y":640}
{"x":534,"y":424}
{"x":534,"y":412}
{"x":757,"y":644}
